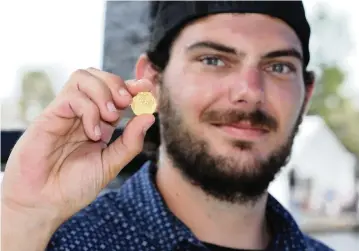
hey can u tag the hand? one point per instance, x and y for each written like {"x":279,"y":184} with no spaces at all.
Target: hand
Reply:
{"x":62,"y":161}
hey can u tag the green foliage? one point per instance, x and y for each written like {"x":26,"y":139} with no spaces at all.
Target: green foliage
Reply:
{"x":338,"y":111}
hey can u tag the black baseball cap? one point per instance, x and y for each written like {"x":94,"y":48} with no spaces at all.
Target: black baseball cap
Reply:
{"x":169,"y":17}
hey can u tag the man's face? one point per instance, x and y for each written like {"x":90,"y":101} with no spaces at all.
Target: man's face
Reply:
{"x":231,"y":98}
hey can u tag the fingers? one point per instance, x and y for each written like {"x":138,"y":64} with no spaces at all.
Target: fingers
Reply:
{"x":109,"y":91}
{"x":96,"y":97}
{"x":121,"y":96}
{"x":125,"y":148}
{"x":97,"y":91}
{"x":79,"y":105}
{"x":117,"y":85}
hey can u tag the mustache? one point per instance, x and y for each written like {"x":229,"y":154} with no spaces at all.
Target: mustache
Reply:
{"x":257,"y":118}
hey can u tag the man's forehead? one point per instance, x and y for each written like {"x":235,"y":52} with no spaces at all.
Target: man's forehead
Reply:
{"x":236,"y":23}
{"x":266,"y":34}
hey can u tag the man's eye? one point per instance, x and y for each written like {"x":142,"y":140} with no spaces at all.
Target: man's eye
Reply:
{"x":281,"y":68}
{"x":213,"y":61}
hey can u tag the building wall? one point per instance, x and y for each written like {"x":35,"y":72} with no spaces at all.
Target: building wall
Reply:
{"x":125,"y":38}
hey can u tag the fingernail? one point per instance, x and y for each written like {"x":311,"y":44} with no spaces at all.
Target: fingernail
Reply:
{"x":123,"y":92}
{"x":136,"y":82}
{"x":97,"y":130}
{"x":111,"y":107}
{"x":131,"y":82}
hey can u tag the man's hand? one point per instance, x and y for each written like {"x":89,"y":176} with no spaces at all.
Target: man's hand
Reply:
{"x":62,"y":161}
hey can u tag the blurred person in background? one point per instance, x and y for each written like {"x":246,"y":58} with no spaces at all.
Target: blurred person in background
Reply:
{"x":232,"y":86}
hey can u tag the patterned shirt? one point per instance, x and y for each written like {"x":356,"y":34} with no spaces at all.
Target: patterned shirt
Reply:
{"x":136,"y":218}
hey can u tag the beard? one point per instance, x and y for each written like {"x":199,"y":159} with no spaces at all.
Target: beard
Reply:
{"x":225,"y":178}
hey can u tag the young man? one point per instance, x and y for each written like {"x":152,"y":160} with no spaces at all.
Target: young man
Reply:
{"x":232,"y":86}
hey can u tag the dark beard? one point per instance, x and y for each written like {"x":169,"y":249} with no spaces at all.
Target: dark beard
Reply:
{"x":220,"y":176}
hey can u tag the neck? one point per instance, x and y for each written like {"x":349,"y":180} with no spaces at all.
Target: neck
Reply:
{"x":211,"y":220}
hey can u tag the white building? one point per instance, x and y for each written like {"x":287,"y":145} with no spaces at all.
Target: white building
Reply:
{"x":320,"y":156}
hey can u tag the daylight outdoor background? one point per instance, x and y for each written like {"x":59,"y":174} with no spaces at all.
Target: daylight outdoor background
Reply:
{"x":42,"y":42}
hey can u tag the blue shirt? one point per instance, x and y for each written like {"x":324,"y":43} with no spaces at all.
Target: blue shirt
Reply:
{"x":136,"y":218}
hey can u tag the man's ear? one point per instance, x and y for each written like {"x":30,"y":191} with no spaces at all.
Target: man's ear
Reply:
{"x":145,"y":69}
{"x":309,"y":82}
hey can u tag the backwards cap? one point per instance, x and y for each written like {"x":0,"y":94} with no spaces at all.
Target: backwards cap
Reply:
{"x":169,"y":17}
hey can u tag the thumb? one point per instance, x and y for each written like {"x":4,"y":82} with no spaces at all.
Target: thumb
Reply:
{"x":117,"y":155}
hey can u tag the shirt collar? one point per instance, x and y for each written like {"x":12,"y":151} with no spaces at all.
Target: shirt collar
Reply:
{"x":168,"y":232}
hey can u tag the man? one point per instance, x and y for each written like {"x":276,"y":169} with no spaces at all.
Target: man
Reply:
{"x":232,"y":87}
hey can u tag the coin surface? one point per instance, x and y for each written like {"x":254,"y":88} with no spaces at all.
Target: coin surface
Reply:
{"x":144,"y":103}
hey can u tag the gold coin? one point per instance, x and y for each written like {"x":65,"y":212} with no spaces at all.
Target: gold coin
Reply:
{"x":143,"y":103}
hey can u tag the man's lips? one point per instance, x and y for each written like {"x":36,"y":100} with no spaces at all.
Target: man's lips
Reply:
{"x":243,"y":130}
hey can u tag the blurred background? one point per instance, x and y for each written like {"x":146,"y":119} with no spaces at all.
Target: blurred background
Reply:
{"x":42,"y":42}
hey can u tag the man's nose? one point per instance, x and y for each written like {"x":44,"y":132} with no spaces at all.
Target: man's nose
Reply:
{"x":247,"y":89}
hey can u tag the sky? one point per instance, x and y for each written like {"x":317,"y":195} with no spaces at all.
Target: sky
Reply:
{"x":350,"y":63}
{"x":68,"y":34}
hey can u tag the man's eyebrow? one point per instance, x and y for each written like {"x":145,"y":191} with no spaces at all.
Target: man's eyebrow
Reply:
{"x":213,"y":46}
{"x":291,"y":52}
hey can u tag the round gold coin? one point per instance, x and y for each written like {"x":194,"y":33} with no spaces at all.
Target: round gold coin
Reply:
{"x":143,"y":103}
